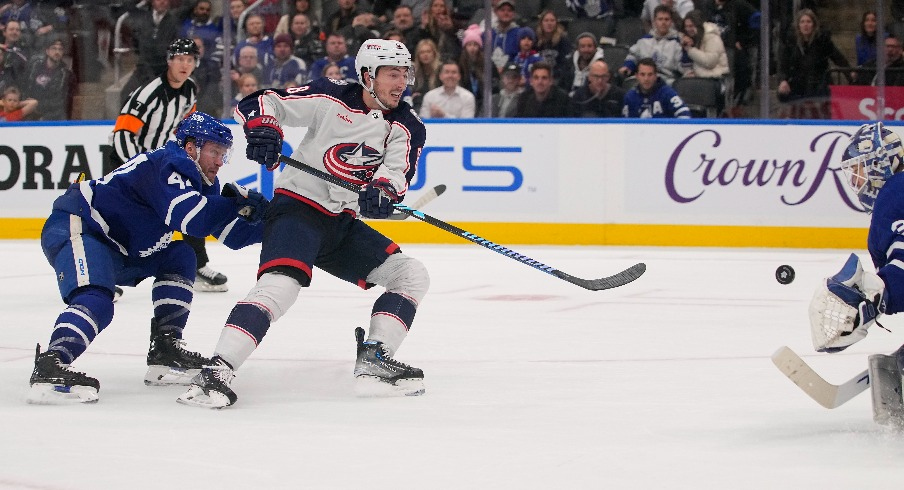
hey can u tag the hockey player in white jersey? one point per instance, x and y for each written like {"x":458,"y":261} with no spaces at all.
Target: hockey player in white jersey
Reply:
{"x":365,"y":134}
{"x":118,"y":230}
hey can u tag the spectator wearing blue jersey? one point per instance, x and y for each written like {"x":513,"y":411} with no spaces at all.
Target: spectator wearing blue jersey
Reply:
{"x":336,"y":52}
{"x":257,"y":38}
{"x":652,"y":97}
{"x":118,"y":230}
{"x":527,"y":55}
{"x":865,"y":42}
{"x":286,"y":70}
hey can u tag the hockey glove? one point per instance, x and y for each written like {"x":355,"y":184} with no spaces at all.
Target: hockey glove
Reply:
{"x":264,"y":138}
{"x":843,"y":309}
{"x":249,"y":203}
{"x":376,"y":199}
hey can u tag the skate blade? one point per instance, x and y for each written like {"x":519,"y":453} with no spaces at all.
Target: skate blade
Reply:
{"x":204,"y":287}
{"x":195,"y":397}
{"x":374,"y":387}
{"x":50,"y":394}
{"x":166,"y":376}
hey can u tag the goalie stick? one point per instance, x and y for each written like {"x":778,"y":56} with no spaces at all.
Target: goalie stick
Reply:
{"x":423,"y":201}
{"x":620,"y":279}
{"x":826,"y":394}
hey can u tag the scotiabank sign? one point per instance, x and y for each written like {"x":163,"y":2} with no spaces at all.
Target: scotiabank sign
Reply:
{"x":858,"y":102}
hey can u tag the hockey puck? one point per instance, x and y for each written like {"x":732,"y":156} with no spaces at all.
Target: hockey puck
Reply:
{"x":784,"y":274}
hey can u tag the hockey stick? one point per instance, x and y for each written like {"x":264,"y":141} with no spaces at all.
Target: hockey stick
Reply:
{"x":613,"y":281}
{"x":825,"y":393}
{"x":423,"y":201}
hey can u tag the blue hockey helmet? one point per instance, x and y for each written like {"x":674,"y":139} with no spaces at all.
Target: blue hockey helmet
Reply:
{"x":873,"y":155}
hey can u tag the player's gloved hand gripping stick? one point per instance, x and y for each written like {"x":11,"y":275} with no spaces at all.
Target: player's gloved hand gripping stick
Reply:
{"x":613,"y":281}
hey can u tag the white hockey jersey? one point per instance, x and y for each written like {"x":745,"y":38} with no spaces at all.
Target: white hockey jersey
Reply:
{"x":344,"y":138}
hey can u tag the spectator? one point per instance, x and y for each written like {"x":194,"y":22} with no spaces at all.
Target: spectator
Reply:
{"x":660,"y":44}
{"x":678,"y":9}
{"x":199,"y":25}
{"x":51,"y":83}
{"x":472,"y":66}
{"x":297,"y":7}
{"x":542,"y":98}
{"x":152,"y":32}
{"x":286,"y":70}
{"x":803,"y":69}
{"x":552,"y":42}
{"x":652,"y":97}
{"x":307,"y":40}
{"x":426,"y":71}
{"x":13,"y":68}
{"x":506,"y":103}
{"x":332,"y":71}
{"x":36,"y":23}
{"x":894,"y":64}
{"x":598,"y":97}
{"x":207,"y":76}
{"x":703,"y":46}
{"x":865,"y":42}
{"x":599,"y":10}
{"x":342,"y":17}
{"x":236,"y":8}
{"x":247,"y":85}
{"x":738,"y":22}
{"x":403,"y":21}
{"x":505,"y":33}
{"x":247,"y":65}
{"x":363,"y":27}
{"x":436,"y":24}
{"x":527,"y":55}
{"x":336,"y":52}
{"x":255,"y":36}
{"x":574,"y":74}
{"x":13,"y":109}
{"x":449,"y":100}
{"x":270,"y":11}
{"x":12,"y":39}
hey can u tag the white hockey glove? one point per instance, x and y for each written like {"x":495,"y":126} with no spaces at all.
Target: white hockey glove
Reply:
{"x":845,"y":306}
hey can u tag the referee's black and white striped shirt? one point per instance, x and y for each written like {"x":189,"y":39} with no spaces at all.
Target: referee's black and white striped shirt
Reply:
{"x":148,"y":118}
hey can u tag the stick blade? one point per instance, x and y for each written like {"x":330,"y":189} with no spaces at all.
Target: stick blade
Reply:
{"x":824,"y":393}
{"x":626,"y":276}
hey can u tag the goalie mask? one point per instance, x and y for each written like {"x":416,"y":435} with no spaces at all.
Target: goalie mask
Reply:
{"x":873,"y":155}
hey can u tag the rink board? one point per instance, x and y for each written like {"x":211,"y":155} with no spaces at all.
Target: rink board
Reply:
{"x":583,"y":182}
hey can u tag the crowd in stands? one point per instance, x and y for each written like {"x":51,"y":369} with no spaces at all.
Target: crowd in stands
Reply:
{"x":548,"y":58}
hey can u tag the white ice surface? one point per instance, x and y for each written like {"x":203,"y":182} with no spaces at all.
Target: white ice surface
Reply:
{"x":531,"y":383}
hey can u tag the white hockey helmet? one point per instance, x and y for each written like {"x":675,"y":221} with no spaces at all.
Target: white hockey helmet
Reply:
{"x":375,"y":53}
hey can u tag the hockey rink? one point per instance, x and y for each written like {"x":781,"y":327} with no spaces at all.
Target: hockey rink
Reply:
{"x":531,"y":383}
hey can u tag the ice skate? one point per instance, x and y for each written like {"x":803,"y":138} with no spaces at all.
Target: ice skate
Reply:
{"x":377,"y":374}
{"x":117,"y":293}
{"x":210,"y":388}
{"x":208,"y":280}
{"x":53,"y":383}
{"x":168,"y":362}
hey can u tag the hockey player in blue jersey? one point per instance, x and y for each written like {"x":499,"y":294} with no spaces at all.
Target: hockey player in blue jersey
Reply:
{"x":118,"y":230}
{"x":652,"y":97}
{"x":363,"y":133}
{"x":848,"y":303}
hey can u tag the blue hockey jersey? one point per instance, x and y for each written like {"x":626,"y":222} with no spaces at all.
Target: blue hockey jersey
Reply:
{"x":886,"y":241}
{"x":138,"y":206}
{"x":661,"y":102}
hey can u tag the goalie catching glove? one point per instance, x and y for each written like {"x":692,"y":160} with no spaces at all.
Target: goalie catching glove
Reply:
{"x":376,"y":199}
{"x":264,"y":138}
{"x":845,"y":306}
{"x":249,"y":203}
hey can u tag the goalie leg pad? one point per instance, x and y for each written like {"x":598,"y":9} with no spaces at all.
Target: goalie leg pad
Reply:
{"x":885,"y":386}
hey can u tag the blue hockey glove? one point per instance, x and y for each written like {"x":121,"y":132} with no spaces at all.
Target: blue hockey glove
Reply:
{"x":376,"y":199}
{"x":264,"y":138}
{"x":249,"y":203}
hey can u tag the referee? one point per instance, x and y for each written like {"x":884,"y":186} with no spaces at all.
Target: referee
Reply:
{"x":147,"y":121}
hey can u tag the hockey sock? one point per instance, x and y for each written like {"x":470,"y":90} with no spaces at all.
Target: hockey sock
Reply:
{"x":391,"y":319}
{"x":244,"y":330}
{"x":90,"y":310}
{"x":172,"y":295}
